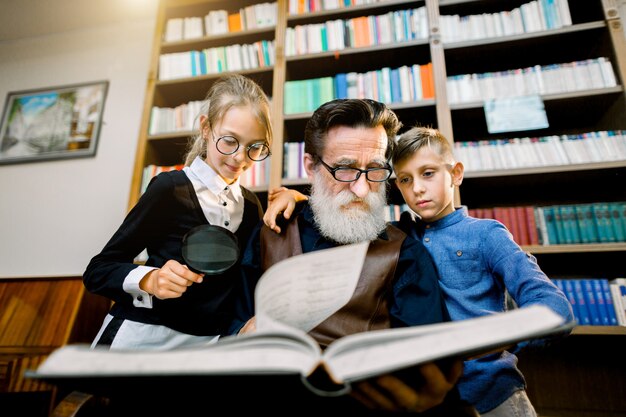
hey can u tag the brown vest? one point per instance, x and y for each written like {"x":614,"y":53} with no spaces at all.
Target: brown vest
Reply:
{"x":368,"y":309}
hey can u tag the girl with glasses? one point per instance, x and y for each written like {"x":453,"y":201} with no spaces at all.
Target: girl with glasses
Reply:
{"x":164,"y":304}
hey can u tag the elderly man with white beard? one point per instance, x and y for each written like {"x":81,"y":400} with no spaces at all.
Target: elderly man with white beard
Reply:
{"x":348,"y":143}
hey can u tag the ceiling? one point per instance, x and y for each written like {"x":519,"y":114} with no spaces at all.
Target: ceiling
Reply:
{"x":32,"y":18}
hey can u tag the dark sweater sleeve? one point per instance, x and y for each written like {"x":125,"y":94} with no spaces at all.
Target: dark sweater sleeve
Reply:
{"x":418,"y":298}
{"x":106,"y":271}
{"x":250,"y":274}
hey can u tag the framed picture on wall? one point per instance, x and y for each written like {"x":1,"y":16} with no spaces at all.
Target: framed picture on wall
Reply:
{"x":52,"y":123}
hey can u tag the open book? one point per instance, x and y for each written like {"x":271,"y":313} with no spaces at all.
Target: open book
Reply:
{"x":293,"y":297}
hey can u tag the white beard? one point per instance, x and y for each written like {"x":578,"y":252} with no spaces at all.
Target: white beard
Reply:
{"x":342,"y":225}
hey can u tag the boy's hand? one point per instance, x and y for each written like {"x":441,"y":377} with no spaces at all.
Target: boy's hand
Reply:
{"x":281,"y":200}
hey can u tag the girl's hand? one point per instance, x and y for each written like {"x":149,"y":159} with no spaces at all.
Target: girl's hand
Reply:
{"x":281,"y":200}
{"x":170,"y":281}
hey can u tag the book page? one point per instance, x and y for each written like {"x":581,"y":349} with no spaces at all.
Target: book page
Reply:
{"x":270,"y":352}
{"x":362,"y":355}
{"x":304,"y":290}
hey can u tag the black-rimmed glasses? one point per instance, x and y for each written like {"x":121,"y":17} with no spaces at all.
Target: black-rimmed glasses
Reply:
{"x":349,"y":174}
{"x":228,"y":145}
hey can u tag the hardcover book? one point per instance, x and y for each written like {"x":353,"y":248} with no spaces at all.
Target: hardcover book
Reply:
{"x":293,"y":297}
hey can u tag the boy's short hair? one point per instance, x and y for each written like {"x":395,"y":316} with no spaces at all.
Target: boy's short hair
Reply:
{"x":418,"y":137}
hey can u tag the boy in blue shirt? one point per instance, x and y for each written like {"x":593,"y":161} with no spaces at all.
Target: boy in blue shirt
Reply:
{"x":478,"y":262}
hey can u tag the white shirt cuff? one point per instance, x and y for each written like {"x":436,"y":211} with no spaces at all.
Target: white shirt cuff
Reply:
{"x":131,"y":285}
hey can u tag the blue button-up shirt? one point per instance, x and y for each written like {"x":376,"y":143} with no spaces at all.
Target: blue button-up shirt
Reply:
{"x":477,"y":261}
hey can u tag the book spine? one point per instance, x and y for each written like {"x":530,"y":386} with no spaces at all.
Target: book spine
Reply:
{"x":585,"y":313}
{"x":591,"y":301}
{"x":618,"y":302}
{"x":568,"y":289}
{"x":608,"y":301}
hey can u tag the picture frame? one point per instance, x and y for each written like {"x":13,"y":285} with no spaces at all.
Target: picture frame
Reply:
{"x":52,"y":123}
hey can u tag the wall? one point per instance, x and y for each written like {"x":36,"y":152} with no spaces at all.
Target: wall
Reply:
{"x":55,"y":215}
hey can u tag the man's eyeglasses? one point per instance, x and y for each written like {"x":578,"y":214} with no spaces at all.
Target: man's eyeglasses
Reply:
{"x":349,"y":174}
{"x":228,"y":145}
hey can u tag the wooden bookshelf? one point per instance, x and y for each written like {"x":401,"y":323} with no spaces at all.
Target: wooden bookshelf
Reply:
{"x":596,"y":31}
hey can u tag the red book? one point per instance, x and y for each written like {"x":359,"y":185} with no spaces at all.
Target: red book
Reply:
{"x":522,"y":225}
{"x":533,"y":234}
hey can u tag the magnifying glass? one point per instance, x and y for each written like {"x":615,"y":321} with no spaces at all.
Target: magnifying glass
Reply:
{"x":209,"y":249}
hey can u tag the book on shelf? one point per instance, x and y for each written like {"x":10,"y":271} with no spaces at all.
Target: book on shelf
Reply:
{"x":617,"y":286}
{"x":293,"y":297}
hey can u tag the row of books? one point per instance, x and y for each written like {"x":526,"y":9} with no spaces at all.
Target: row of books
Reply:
{"x":257,"y":175}
{"x":600,"y":222}
{"x":235,"y":57}
{"x":538,"y":79}
{"x":177,"y":119}
{"x":151,"y":171}
{"x":534,"y":16}
{"x":218,"y":22}
{"x":297,"y":7}
{"x":362,"y":31}
{"x":527,"y":152}
{"x":596,"y":301}
{"x":397,"y":85}
{"x":293,"y":164}
{"x":393,"y":211}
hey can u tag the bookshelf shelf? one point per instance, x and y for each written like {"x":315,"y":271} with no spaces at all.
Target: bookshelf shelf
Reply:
{"x":582,"y":248}
{"x":599,"y":330}
{"x":549,"y":97}
{"x":547,"y":169}
{"x":577,"y":28}
{"x":362,"y":50}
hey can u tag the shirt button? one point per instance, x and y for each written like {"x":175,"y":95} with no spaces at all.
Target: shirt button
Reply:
{"x":459,"y":253}
{"x":139,"y":298}
{"x":428,"y":226}
{"x":224,"y":203}
{"x":226,"y":223}
{"x":427,"y":239}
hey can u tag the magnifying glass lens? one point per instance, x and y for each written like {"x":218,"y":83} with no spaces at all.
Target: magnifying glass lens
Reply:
{"x":210,"y":249}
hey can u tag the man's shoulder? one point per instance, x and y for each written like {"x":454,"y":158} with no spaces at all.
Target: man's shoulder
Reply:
{"x":393,"y":232}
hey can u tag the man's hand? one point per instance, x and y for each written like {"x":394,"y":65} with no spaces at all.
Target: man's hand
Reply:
{"x":249,"y":327}
{"x":390,"y":393}
{"x":281,"y":200}
{"x":170,"y":281}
